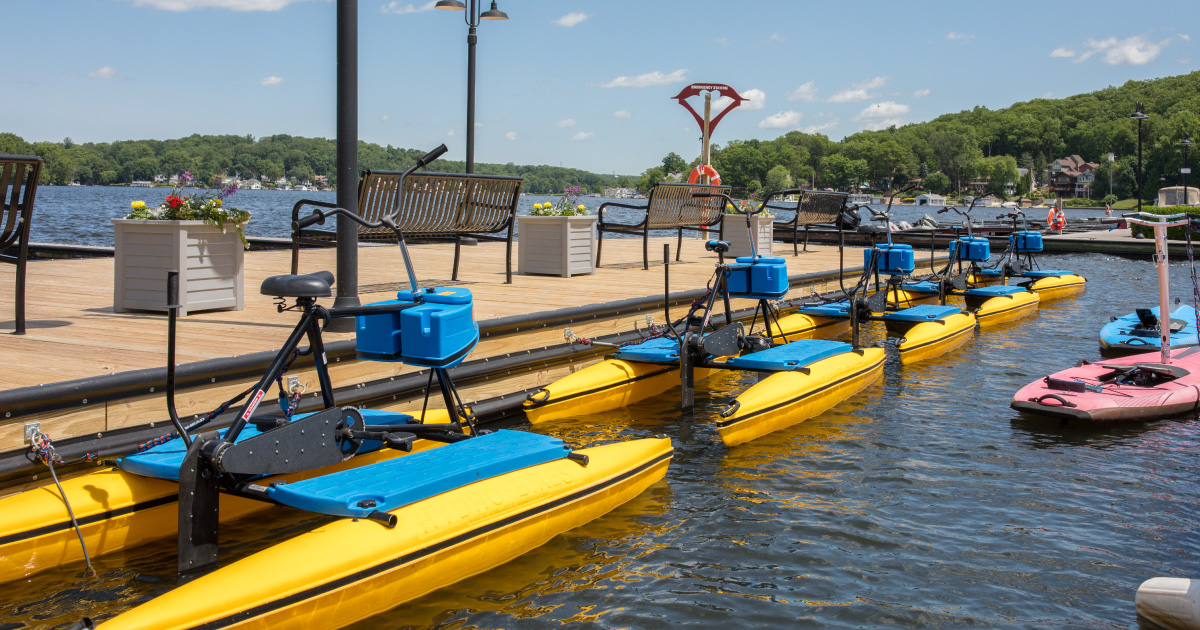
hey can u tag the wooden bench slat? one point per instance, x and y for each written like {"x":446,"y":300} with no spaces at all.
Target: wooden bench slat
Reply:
{"x":431,"y":205}
{"x":669,"y":206}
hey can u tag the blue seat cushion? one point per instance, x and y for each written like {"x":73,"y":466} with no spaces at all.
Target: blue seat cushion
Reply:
{"x":995,"y":290}
{"x":660,"y":350}
{"x":924,"y":286}
{"x":990,"y":273}
{"x":394,"y":483}
{"x":833,"y":309}
{"x":922,"y":313}
{"x":800,"y":353}
{"x":163,"y":461}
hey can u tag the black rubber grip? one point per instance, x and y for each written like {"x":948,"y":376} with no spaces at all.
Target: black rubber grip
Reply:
{"x":316,"y":217}
{"x":432,"y":155}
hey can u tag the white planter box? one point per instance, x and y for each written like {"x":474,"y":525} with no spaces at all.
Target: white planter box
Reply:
{"x":560,"y":246}
{"x":209,"y":264}
{"x":734,"y":227}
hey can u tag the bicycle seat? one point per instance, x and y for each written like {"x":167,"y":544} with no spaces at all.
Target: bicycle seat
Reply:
{"x":311,"y":285}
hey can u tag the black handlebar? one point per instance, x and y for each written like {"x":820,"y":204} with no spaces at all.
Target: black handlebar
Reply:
{"x":729,"y":201}
{"x":427,"y":158}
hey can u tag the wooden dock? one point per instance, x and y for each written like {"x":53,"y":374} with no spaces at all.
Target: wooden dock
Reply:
{"x":73,"y":332}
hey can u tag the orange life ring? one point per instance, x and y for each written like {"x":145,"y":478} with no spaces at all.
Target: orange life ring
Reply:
{"x":704,"y":169}
{"x":1056,"y":219}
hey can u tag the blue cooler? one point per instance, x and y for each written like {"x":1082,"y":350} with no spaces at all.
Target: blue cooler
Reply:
{"x":896,"y":260}
{"x":763,"y":279}
{"x":1027,"y":241}
{"x":973,"y":248}
{"x":438,"y":333}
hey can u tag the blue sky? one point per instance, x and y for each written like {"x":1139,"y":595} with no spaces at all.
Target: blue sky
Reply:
{"x":577,"y":84}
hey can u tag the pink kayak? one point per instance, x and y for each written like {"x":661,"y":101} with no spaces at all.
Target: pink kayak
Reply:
{"x":1135,"y":387}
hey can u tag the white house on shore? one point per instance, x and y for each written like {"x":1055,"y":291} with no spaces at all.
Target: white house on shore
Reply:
{"x":929,"y":199}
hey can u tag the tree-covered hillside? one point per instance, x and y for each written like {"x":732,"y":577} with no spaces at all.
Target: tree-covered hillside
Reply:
{"x":267,"y":158}
{"x":983,"y":143}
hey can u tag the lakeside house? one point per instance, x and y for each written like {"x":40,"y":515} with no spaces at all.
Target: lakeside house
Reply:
{"x":1071,"y":176}
{"x":929,"y":199}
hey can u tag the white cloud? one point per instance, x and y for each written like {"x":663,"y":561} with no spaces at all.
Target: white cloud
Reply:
{"x":107,"y":72}
{"x":860,"y":91}
{"x":232,"y":5}
{"x":819,"y":128}
{"x":1131,"y":51}
{"x":271,"y":81}
{"x":959,"y":37}
{"x":806,"y":93}
{"x":512,"y":135}
{"x":882,"y":115}
{"x":404,"y":9}
{"x":650,"y":79}
{"x":450,"y":133}
{"x":921,"y":93}
{"x":755,"y":99}
{"x":582,"y":135}
{"x":1186,"y":38}
{"x":776,"y":37}
{"x":565,"y":123}
{"x":385,"y":118}
{"x":1048,"y":95}
{"x":1063,"y":51}
{"x":623,"y":113}
{"x":571,"y":19}
{"x":788,"y":120}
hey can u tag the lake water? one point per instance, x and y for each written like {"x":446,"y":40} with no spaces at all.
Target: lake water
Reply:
{"x":81,"y":215}
{"x":923,"y":502}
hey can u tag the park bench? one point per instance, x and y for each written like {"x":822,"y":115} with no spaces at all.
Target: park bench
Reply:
{"x":432,"y":205}
{"x":669,"y":206}
{"x":812,"y":208}
{"x":18,"y":186}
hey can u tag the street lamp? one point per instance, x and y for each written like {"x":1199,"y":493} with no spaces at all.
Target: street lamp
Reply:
{"x":471,"y":17}
{"x":1186,"y":144}
{"x":1139,"y":116}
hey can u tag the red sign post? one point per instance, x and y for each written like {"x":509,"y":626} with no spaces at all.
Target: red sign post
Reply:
{"x":707,"y":123}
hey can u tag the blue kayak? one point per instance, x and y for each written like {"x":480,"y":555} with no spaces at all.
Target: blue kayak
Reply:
{"x":1138,"y":332}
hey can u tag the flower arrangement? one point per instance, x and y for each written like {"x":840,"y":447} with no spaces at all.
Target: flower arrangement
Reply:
{"x":206,"y":206}
{"x":745,"y":207}
{"x":567,"y":206}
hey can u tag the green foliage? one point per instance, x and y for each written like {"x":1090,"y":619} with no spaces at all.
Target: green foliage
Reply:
{"x":674,"y":164}
{"x":268,"y":158}
{"x":937,"y":183}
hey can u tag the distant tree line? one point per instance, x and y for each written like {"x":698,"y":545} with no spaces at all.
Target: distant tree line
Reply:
{"x":268,"y":158}
{"x":953,"y":149}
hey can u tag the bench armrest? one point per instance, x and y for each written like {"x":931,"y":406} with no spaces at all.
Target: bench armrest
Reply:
{"x":309,"y":202}
{"x":619,"y":205}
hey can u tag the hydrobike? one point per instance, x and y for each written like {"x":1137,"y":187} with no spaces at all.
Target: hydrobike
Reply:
{"x":454,"y":500}
{"x":1147,"y":386}
{"x":917,"y":323}
{"x":1017,"y":262}
{"x":991,"y":303}
{"x":805,"y":376}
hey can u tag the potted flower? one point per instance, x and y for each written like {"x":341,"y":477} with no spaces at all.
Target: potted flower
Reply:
{"x":557,"y":238}
{"x":188,"y":233}
{"x":734,"y":230}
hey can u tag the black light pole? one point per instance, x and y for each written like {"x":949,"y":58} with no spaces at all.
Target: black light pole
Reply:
{"x":1139,"y":116}
{"x":472,"y":18}
{"x":347,"y":161}
{"x":1186,"y":144}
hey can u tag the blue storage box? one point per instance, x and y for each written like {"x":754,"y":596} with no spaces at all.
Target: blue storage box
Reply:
{"x":438,"y":333}
{"x":1027,"y":241}
{"x":893,"y":259}
{"x":973,"y":248}
{"x":764,"y":278}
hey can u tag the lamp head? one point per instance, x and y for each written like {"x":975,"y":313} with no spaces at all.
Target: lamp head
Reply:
{"x":493,"y":13}
{"x":1186,"y":142}
{"x":1138,"y":114}
{"x":450,"y":5}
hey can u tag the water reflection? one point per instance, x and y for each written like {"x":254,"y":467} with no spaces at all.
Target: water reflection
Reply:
{"x":923,"y":501}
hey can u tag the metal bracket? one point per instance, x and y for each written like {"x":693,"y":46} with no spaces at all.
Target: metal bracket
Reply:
{"x":32,"y":429}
